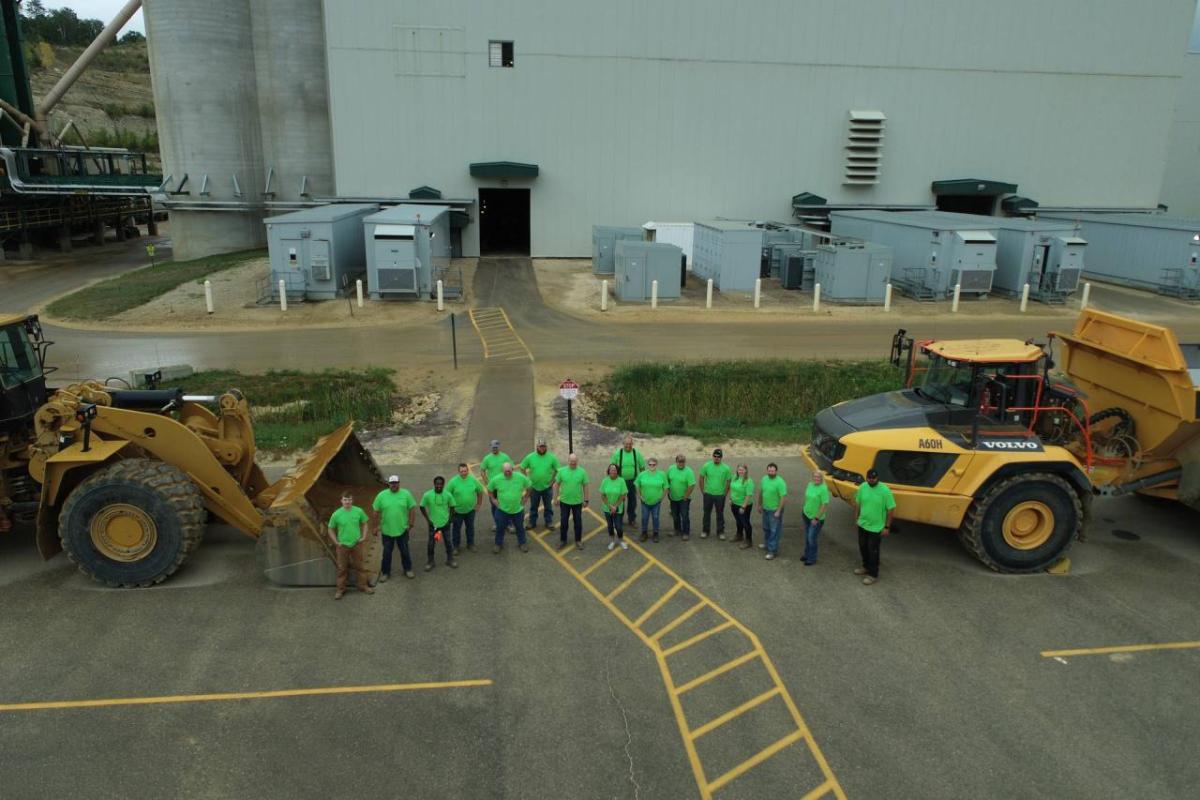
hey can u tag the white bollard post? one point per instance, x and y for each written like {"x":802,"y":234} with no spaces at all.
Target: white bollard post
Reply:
{"x":1024,"y":298}
{"x":604,"y":295}
{"x":654,"y":294}
{"x":887,"y":297}
{"x":283,"y":295}
{"x":1083,"y":301}
{"x":441,"y":297}
{"x":957,"y":294}
{"x":358,"y":291}
{"x":757,"y":292}
{"x":208,"y":298}
{"x":708,"y":295}
{"x":816,"y":298}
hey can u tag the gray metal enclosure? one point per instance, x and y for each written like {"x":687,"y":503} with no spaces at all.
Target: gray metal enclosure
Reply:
{"x":1148,"y":251}
{"x":604,"y":246}
{"x":853,"y":271}
{"x":408,"y":250}
{"x":728,"y":252}
{"x":930,"y":253}
{"x":316,"y":251}
{"x":639,"y":264}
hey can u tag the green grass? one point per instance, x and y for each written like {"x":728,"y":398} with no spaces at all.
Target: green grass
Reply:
{"x":769,"y":401}
{"x":112,"y":296}
{"x":292,"y":409}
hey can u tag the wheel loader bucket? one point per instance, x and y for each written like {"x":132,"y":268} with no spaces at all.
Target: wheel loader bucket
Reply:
{"x":294,"y":548}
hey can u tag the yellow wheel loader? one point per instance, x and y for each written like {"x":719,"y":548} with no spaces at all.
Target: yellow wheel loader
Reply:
{"x":990,"y":438}
{"x":126,"y":480}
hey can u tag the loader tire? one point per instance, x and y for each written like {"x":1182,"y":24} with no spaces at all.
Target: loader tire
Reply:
{"x":1024,"y":523}
{"x":132,"y":523}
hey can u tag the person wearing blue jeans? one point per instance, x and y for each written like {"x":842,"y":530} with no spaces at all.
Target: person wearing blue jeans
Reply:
{"x":459,"y":521}
{"x":651,"y":487}
{"x":540,"y":466}
{"x":508,"y":492}
{"x":545,"y":499}
{"x":772,"y":493}
{"x":816,"y":502}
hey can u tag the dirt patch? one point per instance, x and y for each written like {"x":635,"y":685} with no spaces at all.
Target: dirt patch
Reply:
{"x":569,"y":285}
{"x":236,"y":308}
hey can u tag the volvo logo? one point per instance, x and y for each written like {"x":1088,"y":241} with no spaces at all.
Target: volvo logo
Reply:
{"x":1010,"y":444}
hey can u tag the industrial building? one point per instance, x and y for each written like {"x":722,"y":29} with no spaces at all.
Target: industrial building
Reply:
{"x":537,"y":126}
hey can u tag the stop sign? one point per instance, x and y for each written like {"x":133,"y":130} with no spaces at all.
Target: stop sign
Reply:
{"x":568,"y":389}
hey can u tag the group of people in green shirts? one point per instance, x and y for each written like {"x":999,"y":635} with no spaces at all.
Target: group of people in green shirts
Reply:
{"x":449,"y":508}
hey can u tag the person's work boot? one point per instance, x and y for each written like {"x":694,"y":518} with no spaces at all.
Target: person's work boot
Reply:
{"x":867,"y":581}
{"x":456,"y":551}
{"x":383,"y":577}
{"x":525,"y":547}
{"x":655,"y":538}
{"x":579,"y":545}
{"x":860,"y":570}
{"x":452,"y":564}
{"x":643,"y":537}
{"x":562,"y":545}
{"x":738,"y":538}
{"x":495,"y":548}
{"x":339,"y":594}
{"x":429,"y":566}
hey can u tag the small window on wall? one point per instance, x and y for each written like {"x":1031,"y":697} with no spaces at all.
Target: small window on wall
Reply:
{"x":500,"y":54}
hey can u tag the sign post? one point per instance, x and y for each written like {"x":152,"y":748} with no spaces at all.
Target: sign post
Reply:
{"x":568,"y":390}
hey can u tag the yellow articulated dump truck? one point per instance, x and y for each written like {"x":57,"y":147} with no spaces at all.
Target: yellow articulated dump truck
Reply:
{"x":125,"y":480}
{"x":990,"y":437}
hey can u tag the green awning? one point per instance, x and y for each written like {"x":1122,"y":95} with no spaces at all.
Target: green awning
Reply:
{"x":425,"y":193}
{"x":1017,"y":204}
{"x":503,"y":169}
{"x":973,"y":187}
{"x":807,"y":199}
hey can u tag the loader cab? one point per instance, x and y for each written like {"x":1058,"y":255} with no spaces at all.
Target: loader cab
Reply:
{"x":996,"y":380}
{"x":22,"y":375}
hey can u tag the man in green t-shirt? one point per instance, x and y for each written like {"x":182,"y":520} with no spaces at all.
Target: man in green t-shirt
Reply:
{"x":507,"y":492}
{"x":682,"y":483}
{"x":874,"y":507}
{"x":571,"y":485}
{"x":540,"y":467}
{"x":466,"y":494}
{"x":492,"y":464}
{"x":714,"y":488}
{"x":435,"y":507}
{"x":629,"y":463}
{"x":395,"y":509}
{"x":651,"y":486}
{"x":349,"y":527}
{"x":772,"y":493}
{"x":816,"y":503}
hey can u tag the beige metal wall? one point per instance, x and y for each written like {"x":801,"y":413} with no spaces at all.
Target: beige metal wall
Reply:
{"x":685,"y":109}
{"x":1181,"y":178}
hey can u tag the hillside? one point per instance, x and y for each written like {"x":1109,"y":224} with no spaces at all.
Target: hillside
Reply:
{"x":112,"y":102}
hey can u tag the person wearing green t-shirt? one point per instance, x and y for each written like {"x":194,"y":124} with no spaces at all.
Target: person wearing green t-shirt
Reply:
{"x":395,"y":509}
{"x":613,"y":492}
{"x":741,"y":503}
{"x":651,"y":486}
{"x":571,"y":486}
{"x":629,"y":463}
{"x":349,"y":527}
{"x":466,"y":495}
{"x":682,"y":482}
{"x":772,"y":493}
{"x":816,"y":503}
{"x":435,"y":507}
{"x":874,"y":507}
{"x":714,"y":488}
{"x":507,"y":492}
{"x":540,"y":467}
{"x":492,"y":465}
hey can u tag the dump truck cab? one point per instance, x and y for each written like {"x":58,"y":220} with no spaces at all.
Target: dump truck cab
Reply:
{"x":22,"y":392}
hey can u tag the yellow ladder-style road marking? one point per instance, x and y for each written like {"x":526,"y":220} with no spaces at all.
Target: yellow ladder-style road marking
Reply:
{"x":499,"y":338}
{"x":1127,"y":648}
{"x":776,"y":692}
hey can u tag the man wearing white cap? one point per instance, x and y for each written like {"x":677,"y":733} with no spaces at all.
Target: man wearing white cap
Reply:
{"x":395,"y":511}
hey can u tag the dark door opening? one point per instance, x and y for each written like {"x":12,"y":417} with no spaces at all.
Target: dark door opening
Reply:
{"x":504,"y":222}
{"x":967,"y":203}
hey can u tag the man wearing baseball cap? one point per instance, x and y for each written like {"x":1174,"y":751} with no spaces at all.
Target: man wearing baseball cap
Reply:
{"x":874,"y":507}
{"x":540,"y":467}
{"x":492,"y":465}
{"x":395,"y":510}
{"x":714,"y":488}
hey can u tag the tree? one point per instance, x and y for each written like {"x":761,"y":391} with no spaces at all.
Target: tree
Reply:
{"x":130,"y":37}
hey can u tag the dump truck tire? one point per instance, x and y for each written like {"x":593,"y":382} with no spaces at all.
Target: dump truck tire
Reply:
{"x":1024,"y":523}
{"x":132,"y":523}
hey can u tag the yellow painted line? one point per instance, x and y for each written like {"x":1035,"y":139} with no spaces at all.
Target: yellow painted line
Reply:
{"x":718,"y":672}
{"x":682,"y":618}
{"x":699,"y":637}
{"x":659,"y":603}
{"x":600,"y":562}
{"x":1127,"y":648}
{"x":755,"y":760}
{"x":479,"y":333}
{"x":514,"y":333}
{"x":595,"y":532}
{"x":735,"y":713}
{"x":689,"y":744}
{"x":224,"y":696}
{"x":642,"y":570}
{"x":820,"y":791}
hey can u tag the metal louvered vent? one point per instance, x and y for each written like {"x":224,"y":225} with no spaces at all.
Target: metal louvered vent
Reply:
{"x":864,"y":148}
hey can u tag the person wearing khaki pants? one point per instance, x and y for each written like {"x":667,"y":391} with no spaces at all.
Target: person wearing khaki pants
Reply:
{"x":348,"y":529}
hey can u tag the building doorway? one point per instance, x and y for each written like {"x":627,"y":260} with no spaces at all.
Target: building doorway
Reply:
{"x":504,"y":222}
{"x":967,"y":204}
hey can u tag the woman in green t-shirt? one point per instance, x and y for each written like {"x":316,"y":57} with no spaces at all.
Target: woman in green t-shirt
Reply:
{"x":613,"y":492}
{"x":741,"y":502}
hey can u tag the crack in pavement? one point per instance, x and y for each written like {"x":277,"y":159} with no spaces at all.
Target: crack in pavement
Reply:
{"x":637,"y":789}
